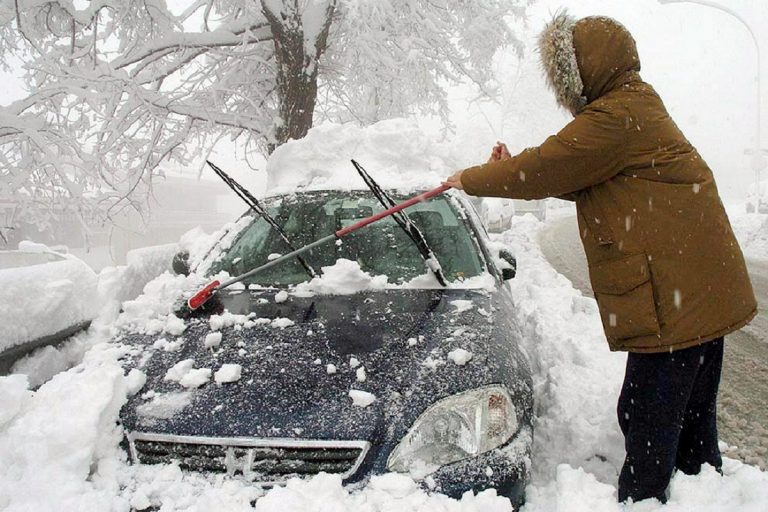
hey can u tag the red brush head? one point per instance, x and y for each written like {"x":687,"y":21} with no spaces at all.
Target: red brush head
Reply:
{"x":202,"y":296}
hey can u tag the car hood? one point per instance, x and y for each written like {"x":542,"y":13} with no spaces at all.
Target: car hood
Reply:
{"x":402,"y":339}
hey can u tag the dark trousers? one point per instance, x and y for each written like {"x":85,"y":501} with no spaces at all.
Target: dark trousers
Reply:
{"x":667,"y":412}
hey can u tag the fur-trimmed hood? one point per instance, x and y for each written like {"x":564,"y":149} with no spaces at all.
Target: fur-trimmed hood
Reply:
{"x":586,"y":59}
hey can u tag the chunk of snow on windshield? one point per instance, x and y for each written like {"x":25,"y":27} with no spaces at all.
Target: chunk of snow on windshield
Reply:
{"x":212,"y":340}
{"x":165,"y":405}
{"x":281,"y":296}
{"x":345,"y":277}
{"x":428,"y":281}
{"x":177,"y":371}
{"x":330,"y":369}
{"x":195,"y":378}
{"x":361,"y":398}
{"x":462,"y":305}
{"x":360,"y":373}
{"x":354,"y":362}
{"x":134,"y":381}
{"x":460,"y":356}
{"x":228,"y":373}
{"x":273,"y":256}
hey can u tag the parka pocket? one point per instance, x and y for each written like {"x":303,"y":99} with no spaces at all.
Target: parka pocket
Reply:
{"x":624,"y":293}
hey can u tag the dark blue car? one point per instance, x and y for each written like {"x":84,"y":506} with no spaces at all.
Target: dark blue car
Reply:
{"x":449,"y":388}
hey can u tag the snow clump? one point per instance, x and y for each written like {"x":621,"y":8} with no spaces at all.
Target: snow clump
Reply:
{"x":195,"y":378}
{"x":462,"y":305}
{"x":345,"y":277}
{"x":460,"y":356}
{"x":228,"y":373}
{"x":212,"y":340}
{"x":134,"y":381}
{"x":361,"y":398}
{"x":179,"y":370}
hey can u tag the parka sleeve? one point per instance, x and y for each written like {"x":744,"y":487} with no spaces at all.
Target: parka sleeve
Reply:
{"x":588,"y":151}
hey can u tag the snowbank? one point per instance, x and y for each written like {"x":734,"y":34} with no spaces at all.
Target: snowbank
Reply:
{"x":59,"y":445}
{"x":62,"y":443}
{"x":751,"y":229}
{"x":396,"y":153}
{"x":44,"y":299}
{"x":578,"y":447}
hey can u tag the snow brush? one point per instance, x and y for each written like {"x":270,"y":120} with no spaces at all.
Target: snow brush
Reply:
{"x":210,"y":290}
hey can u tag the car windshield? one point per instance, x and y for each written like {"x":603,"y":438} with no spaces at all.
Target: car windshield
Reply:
{"x":381,"y":248}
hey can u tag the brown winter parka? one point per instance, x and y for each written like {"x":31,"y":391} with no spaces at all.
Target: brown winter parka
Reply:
{"x":664,"y":264}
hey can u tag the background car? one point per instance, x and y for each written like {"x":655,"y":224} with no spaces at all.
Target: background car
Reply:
{"x":757,"y":197}
{"x":496,"y":212}
{"x":47,"y":297}
{"x":411,"y":377}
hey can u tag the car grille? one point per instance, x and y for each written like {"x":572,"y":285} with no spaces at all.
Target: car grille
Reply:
{"x":263,"y":460}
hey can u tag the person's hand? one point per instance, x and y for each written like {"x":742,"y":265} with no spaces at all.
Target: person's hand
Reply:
{"x":499,"y":152}
{"x":454,"y":181}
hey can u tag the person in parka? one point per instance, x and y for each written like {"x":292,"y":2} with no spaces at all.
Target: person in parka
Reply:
{"x":667,"y":272}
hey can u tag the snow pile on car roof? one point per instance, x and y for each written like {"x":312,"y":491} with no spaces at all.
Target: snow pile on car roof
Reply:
{"x":43,"y":299}
{"x":396,"y":153}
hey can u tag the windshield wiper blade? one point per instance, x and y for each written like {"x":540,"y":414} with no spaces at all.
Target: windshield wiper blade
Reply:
{"x":254,"y":204}
{"x":402,"y":219}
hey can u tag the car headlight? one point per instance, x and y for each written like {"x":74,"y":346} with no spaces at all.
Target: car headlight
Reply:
{"x":455,"y":428}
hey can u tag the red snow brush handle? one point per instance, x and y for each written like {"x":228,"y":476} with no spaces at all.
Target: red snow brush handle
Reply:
{"x":203,"y":295}
{"x":402,"y":206}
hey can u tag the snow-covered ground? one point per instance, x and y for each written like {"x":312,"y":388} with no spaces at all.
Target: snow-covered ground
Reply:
{"x":59,"y":444}
{"x":751,"y":229}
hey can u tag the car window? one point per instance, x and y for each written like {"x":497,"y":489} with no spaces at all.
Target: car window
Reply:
{"x":381,"y":248}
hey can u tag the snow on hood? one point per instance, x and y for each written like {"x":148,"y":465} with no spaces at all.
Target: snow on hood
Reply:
{"x":397,"y":153}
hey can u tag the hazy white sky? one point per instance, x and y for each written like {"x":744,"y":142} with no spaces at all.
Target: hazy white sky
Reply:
{"x":702,"y":62}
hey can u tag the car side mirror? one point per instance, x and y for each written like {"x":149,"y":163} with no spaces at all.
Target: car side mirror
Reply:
{"x":510,"y":270}
{"x":180,"y":263}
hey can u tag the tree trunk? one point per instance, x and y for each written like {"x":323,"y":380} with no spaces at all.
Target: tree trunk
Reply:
{"x":297,"y":71}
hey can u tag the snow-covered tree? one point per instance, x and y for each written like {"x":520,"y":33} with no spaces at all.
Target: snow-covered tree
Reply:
{"x":119,"y":86}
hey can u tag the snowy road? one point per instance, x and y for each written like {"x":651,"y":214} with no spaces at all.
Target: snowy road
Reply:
{"x":743,"y":416}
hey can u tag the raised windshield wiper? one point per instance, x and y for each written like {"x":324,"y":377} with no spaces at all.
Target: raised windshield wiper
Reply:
{"x":251,"y":201}
{"x":402,"y":219}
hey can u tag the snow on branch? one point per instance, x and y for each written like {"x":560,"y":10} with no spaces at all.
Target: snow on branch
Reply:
{"x":120,"y":88}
